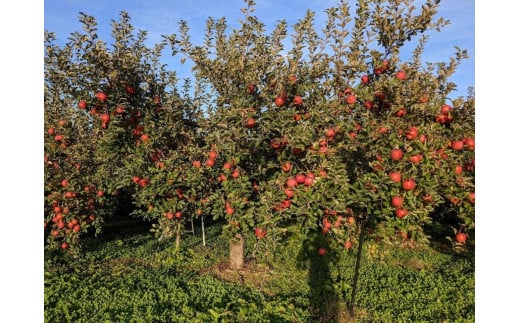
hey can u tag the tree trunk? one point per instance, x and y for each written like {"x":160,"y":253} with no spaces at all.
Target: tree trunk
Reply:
{"x":236,"y":252}
{"x":178,"y":240}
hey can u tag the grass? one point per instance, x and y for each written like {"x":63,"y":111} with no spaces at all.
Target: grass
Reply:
{"x":126,"y":275}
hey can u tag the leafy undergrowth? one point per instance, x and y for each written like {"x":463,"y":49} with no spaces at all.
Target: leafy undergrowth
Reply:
{"x":128,"y":276}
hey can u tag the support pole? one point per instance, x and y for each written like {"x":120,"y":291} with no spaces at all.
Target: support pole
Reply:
{"x":203,"y":232}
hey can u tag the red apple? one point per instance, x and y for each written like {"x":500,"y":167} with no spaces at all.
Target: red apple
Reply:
{"x":409,"y":184}
{"x":400,"y":75}
{"x":457,"y":144}
{"x":396,"y":154}
{"x":416,"y":159}
{"x":445,"y":109}
{"x":395,"y":176}
{"x":351,"y":99}
{"x":300,"y":178}
{"x":461,"y":237}
{"x":397,"y":201}
{"x":279,"y":101}
{"x":291,"y":182}
{"x":401,"y":213}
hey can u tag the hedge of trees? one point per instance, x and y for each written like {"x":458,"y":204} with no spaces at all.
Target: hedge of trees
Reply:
{"x":275,"y":141}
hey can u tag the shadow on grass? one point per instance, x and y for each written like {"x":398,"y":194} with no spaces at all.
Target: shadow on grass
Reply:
{"x":323,"y":300}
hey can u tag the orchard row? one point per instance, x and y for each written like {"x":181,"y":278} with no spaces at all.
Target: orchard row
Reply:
{"x":273,"y":144}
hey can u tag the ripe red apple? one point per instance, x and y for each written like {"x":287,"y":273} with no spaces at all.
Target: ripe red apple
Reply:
{"x":143,"y":182}
{"x":250,"y":123}
{"x":119,"y":109}
{"x":445,"y":109}
{"x":297,"y":100}
{"x":457,"y":144}
{"x":169,"y":215}
{"x":212,"y":155}
{"x":105,"y":117}
{"x":285,"y":204}
{"x":397,"y":201}
{"x":275,"y":143}
{"x":178,"y":215}
{"x":300,"y":178}
{"x":469,"y":142}
{"x":82,"y":104}
{"x":227,"y":166}
{"x":289,"y":193}
{"x":230,"y":210}
{"x":260,"y":233}
{"x":365,"y":79}
{"x":330,"y":132}
{"x":291,"y":182}
{"x":400,"y":113}
{"x":101,"y":96}
{"x":64,"y":183}
{"x":322,"y":251}
{"x":471,"y":197}
{"x":459,"y":169}
{"x":196,"y":163}
{"x":416,"y":159}
{"x":351,"y":99}
{"x":64,"y":245}
{"x":69,"y":194}
{"x":136,"y":179}
{"x":279,"y":101}
{"x":441,"y":118}
{"x":309,"y":180}
{"x":144,"y":137}
{"x":461,"y":237}
{"x":395,"y":176}
{"x":210,"y":162}
{"x":286,"y":166}
{"x":369,"y":104}
{"x":396,"y":154}
{"x":348,"y":244}
{"x":412,"y":133}
{"x":409,"y":184}
{"x":401,"y":213}
{"x":400,"y":75}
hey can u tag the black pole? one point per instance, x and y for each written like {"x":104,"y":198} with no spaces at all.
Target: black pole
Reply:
{"x":358,"y":263}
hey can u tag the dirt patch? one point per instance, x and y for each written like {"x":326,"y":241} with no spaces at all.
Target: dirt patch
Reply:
{"x":252,"y":274}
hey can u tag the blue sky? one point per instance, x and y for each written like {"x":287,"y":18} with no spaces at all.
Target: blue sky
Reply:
{"x":162,"y":17}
